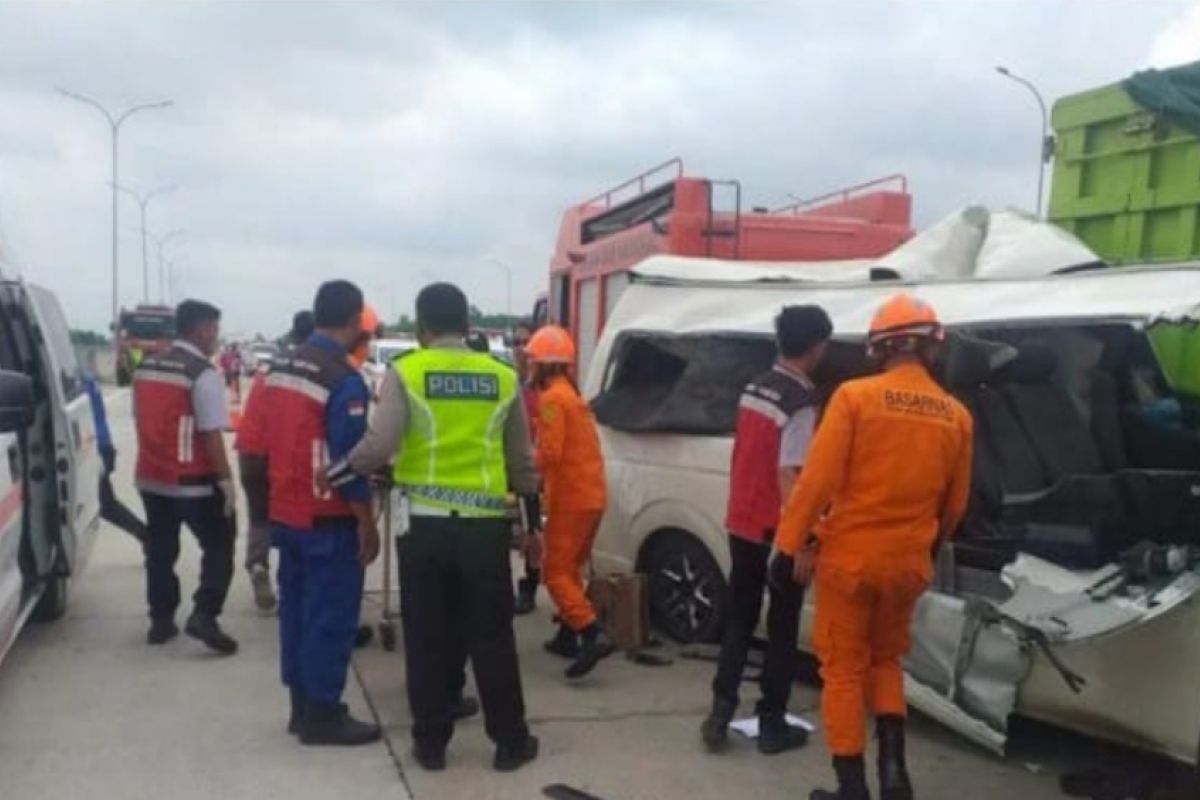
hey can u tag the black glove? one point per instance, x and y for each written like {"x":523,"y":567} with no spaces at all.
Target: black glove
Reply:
{"x":531,"y":512}
{"x":108,"y":457}
{"x":779,"y":572}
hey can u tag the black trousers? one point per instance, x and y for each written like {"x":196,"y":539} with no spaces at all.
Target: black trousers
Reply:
{"x":456,"y":594}
{"x":213,"y":530}
{"x":116,"y":512}
{"x":747,"y":581}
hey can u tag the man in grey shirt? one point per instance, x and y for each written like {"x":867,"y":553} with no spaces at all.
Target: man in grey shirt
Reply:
{"x":183,"y":475}
{"x":452,"y":422}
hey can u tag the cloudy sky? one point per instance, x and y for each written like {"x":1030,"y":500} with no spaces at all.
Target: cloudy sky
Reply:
{"x":395,"y":143}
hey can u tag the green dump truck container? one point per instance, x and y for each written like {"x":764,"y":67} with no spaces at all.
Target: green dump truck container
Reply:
{"x":1126,"y":173}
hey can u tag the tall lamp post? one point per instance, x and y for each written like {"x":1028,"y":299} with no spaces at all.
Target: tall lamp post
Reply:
{"x":143,"y":200}
{"x":507,"y":283}
{"x":114,"y":123}
{"x":161,"y":242}
{"x":1046,"y":144}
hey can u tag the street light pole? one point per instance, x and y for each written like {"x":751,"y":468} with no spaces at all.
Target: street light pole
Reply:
{"x":114,"y":123}
{"x":1045,"y":147}
{"x":162,"y":241}
{"x":143,"y":200}
{"x":508,"y":284}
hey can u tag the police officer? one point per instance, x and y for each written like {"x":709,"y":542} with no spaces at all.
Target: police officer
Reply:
{"x":318,"y":407}
{"x":183,"y":475}
{"x":453,"y":423}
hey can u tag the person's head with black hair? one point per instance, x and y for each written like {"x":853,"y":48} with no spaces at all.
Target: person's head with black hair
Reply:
{"x":199,"y":323}
{"x":442,"y":312}
{"x":520,"y":337}
{"x":801,"y":333}
{"x":302,"y":327}
{"x":337,"y":312}
{"x":478,"y":341}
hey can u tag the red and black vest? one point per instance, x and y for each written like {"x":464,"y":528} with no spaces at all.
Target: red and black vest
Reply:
{"x":296,"y":394}
{"x":251,"y":439}
{"x":768,"y":403}
{"x":171,"y":451}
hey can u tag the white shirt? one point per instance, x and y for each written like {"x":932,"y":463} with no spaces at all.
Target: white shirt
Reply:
{"x":797,"y":437}
{"x":797,"y":434}
{"x":209,"y":405}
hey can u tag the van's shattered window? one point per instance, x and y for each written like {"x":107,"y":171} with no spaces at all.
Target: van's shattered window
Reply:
{"x":682,"y":384}
{"x":661,"y":382}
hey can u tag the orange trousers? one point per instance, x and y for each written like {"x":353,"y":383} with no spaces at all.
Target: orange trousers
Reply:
{"x":862,"y":631}
{"x":569,"y":539}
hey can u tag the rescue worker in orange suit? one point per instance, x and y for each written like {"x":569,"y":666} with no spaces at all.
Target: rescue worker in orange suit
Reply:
{"x":568,"y":449}
{"x":183,"y":475}
{"x":890,"y":469}
{"x":526,"y":600}
{"x":776,"y":417}
{"x":251,"y":446}
{"x":326,"y":537}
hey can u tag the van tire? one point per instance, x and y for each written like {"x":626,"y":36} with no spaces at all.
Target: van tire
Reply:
{"x":52,"y":605}
{"x":686,"y":587}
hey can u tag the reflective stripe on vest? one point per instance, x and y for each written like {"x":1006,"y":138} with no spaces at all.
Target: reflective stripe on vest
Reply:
{"x":452,"y":457}
{"x":170,"y":451}
{"x":296,"y":439}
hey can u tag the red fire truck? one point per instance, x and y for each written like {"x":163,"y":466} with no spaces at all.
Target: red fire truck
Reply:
{"x":141,"y":331}
{"x":663,"y":211}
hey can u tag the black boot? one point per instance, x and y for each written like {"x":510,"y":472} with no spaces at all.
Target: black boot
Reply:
{"x":331,"y":723}
{"x":852,"y":780}
{"x":776,"y":736}
{"x":206,"y":629}
{"x":296,"y":720}
{"x":432,"y":758}
{"x":510,"y":758}
{"x":894,"y":783}
{"x":596,"y":646}
{"x":526,"y":600}
{"x":161,"y":631}
{"x":715,"y":728}
{"x":565,"y":643}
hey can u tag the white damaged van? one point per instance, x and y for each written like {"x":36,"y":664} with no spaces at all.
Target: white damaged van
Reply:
{"x":1072,"y":593}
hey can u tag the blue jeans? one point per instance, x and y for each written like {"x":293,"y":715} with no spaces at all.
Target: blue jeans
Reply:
{"x":320,"y":593}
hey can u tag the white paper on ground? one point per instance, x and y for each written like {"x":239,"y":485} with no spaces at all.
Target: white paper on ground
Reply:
{"x":748,"y":727}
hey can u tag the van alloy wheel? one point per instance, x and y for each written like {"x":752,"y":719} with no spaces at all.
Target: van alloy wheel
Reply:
{"x":686,"y":589}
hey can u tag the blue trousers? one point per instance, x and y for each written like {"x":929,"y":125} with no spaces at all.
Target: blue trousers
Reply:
{"x":320,"y":593}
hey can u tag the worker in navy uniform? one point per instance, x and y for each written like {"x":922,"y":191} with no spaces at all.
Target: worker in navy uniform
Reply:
{"x":451,"y":422}
{"x":184,"y":477}
{"x":325,"y":537}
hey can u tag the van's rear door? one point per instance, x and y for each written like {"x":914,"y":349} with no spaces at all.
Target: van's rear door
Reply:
{"x":76,"y":458}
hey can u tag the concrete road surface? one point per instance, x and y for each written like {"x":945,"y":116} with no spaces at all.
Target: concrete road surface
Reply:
{"x":87,"y":710}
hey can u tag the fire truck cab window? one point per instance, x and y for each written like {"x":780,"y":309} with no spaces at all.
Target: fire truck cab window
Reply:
{"x":147,"y":326}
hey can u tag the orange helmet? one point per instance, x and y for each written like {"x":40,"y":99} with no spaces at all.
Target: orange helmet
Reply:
{"x":370,"y":330}
{"x":551,"y":345}
{"x":904,"y":315}
{"x":370,"y":321}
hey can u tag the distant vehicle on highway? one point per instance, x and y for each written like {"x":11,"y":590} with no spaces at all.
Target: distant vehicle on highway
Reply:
{"x":258,"y":354}
{"x":142,"y":331}
{"x":385,"y":351}
{"x":49,"y":506}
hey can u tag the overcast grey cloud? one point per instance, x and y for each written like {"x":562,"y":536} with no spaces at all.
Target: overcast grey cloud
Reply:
{"x":395,"y":143}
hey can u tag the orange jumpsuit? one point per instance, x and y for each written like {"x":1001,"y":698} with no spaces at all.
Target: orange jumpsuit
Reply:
{"x":568,"y":447}
{"x":891,"y":464}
